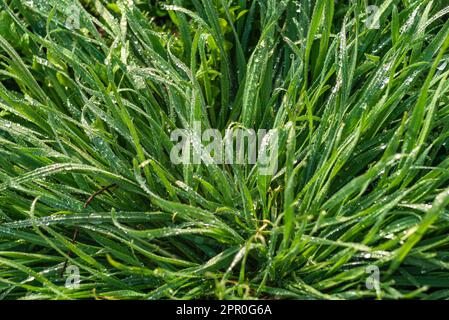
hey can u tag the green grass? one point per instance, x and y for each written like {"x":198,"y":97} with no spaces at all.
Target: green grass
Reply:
{"x":85,"y":121}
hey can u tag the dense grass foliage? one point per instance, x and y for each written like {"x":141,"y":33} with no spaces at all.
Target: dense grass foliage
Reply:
{"x":86,"y":180}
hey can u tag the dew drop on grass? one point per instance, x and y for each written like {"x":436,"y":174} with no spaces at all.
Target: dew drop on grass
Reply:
{"x":385,"y":83}
{"x":442,"y":66}
{"x":408,"y":80}
{"x":410,"y":21}
{"x":387,"y":235}
{"x":95,"y":219}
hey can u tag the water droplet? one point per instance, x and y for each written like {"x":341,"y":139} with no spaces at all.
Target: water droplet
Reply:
{"x":442,"y":66}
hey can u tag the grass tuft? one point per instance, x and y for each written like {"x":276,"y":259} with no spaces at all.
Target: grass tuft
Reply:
{"x":90,"y":92}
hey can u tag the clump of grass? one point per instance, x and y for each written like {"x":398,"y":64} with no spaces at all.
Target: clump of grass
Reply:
{"x":85,"y":121}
